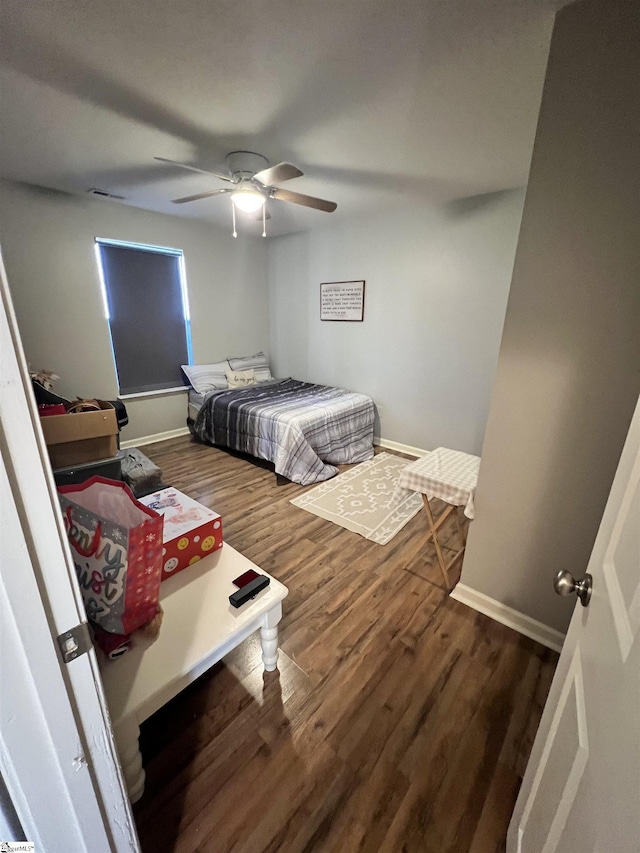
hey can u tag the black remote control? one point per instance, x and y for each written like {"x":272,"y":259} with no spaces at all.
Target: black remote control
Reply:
{"x":237,"y":599}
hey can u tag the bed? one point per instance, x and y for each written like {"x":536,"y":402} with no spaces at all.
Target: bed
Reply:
{"x":305,"y":430}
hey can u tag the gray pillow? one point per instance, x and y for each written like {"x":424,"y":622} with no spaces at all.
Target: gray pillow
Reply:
{"x":207,"y":377}
{"x":258,"y":363}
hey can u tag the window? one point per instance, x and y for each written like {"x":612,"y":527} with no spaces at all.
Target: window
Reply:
{"x":145,"y":296}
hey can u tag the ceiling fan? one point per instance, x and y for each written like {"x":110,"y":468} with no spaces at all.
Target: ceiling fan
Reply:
{"x":252,"y":181}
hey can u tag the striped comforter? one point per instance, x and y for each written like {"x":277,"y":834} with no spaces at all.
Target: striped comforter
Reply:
{"x":304,"y":429}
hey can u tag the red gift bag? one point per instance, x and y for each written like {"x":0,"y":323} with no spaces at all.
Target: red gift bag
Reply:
{"x":116,"y":544}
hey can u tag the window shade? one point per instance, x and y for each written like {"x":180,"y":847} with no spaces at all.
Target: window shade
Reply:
{"x":146,"y":317}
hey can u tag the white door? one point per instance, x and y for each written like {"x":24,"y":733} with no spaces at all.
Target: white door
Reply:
{"x":581,"y":790}
{"x":57,"y":755}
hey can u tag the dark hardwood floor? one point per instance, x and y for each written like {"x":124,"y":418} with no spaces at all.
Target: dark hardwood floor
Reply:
{"x":399,"y":720}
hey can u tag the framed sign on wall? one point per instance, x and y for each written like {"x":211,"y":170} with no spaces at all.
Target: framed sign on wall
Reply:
{"x":342,"y":301}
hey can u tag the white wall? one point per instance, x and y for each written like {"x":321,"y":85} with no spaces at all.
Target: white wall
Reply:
{"x":437,"y":280}
{"x":569,"y":369}
{"x":47,"y":242}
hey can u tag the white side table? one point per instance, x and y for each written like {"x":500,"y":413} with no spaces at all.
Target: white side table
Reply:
{"x":451,"y":476}
{"x":199,"y":628}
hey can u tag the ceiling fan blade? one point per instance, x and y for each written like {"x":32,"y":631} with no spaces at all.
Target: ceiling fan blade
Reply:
{"x":200,"y":195}
{"x":306,"y":200}
{"x":195,"y":169}
{"x":278,"y":173}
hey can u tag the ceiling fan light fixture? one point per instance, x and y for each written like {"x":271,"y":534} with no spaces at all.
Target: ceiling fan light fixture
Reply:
{"x":247,"y":199}
{"x":252,"y":178}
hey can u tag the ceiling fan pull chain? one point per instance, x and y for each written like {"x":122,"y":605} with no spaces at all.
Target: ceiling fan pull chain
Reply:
{"x":233,"y":213}
{"x":264,"y":220}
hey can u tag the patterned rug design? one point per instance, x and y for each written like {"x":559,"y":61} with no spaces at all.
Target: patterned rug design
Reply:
{"x":365,"y":499}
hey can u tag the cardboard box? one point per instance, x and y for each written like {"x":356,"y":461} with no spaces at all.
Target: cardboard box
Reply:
{"x":80,"y":437}
{"x":191,"y":530}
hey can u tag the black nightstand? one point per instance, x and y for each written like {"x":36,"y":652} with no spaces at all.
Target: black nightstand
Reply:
{"x":109,"y":468}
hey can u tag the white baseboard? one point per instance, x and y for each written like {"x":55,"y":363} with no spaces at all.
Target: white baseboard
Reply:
{"x":400,"y":448}
{"x":531,"y":628}
{"x":175,"y":433}
{"x":152,"y":439}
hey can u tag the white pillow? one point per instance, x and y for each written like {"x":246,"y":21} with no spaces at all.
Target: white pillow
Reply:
{"x":240,"y":378}
{"x":258,"y":363}
{"x":207,"y":377}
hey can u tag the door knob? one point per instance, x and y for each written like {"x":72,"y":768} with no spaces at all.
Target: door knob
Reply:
{"x":564,"y":584}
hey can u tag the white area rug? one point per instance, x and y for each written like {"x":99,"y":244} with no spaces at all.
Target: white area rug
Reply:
{"x":365,"y":499}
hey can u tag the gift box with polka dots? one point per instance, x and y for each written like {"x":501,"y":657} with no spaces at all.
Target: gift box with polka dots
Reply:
{"x":191,"y":530}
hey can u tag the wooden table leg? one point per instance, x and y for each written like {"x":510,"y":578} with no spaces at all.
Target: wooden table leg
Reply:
{"x":461,"y":530}
{"x":434,"y":535}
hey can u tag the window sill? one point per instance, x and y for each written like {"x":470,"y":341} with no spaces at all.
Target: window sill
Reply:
{"x":163,"y":392}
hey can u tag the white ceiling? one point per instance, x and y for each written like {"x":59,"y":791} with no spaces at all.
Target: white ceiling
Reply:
{"x":379,"y":102}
